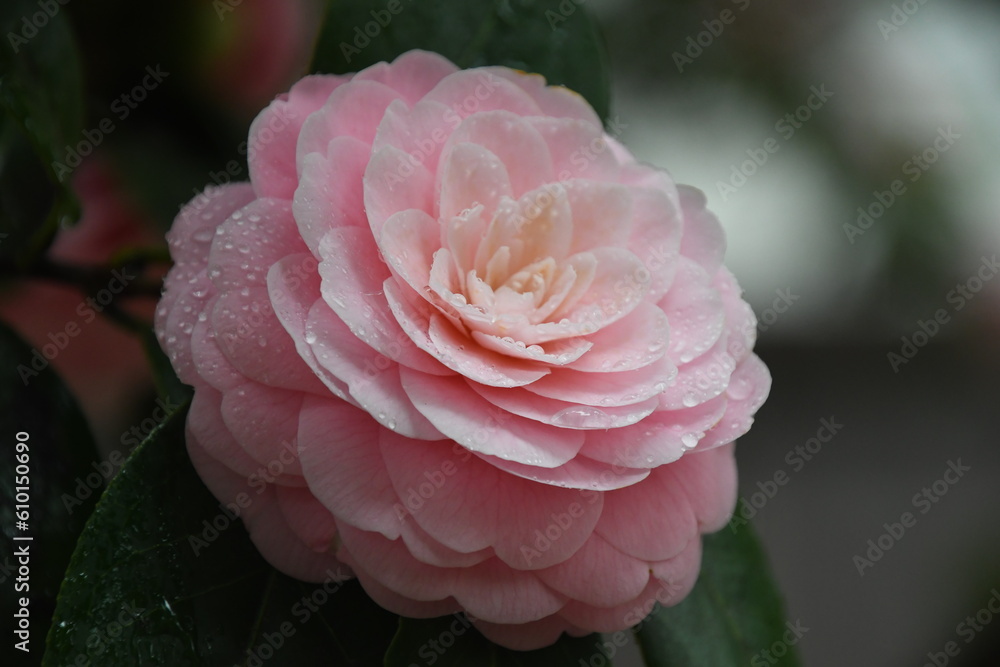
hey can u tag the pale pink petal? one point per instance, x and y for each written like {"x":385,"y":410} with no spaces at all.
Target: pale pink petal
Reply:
{"x":205,"y":426}
{"x":462,"y":355}
{"x":636,"y":340}
{"x":408,"y":243}
{"x":426,"y":549}
{"x":208,"y":359}
{"x":413,"y":74}
{"x":606,"y":389}
{"x":193,"y":230}
{"x":472,"y":176}
{"x":555,"y":100}
{"x":573,"y":578}
{"x":250,"y":241}
{"x":354,"y":110}
{"x":704,"y":240}
{"x":708,"y":480}
{"x":375,"y":387}
{"x":651,"y":521}
{"x":602,"y":215}
{"x":330,"y":191}
{"x":579,"y":149}
{"x":474,"y":505}
{"x":580,"y":473}
{"x":255,"y":343}
{"x":676,"y":581}
{"x":620,"y":283}
{"x":465,"y":417}
{"x":493,"y":591}
{"x":307,"y":518}
{"x":470,"y":92}
{"x":419,"y":133}
{"x":558,"y":353}
{"x":660,"y":438}
{"x":514,"y":141}
{"x":343,"y":466}
{"x":395,"y":182}
{"x":275,"y":132}
{"x":264,"y":420}
{"x":394,"y":602}
{"x":563,"y":414}
{"x":747,"y":391}
{"x":259,"y":511}
{"x":189,"y":300}
{"x":696,"y":313}
{"x":656,"y":235}
{"x":353,"y":273}
{"x":293,"y":291}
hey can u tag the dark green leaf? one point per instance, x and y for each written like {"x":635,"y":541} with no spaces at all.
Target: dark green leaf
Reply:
{"x":733,"y":615}
{"x":450,"y":641}
{"x":162,"y":575}
{"x":63,"y":479}
{"x":41,"y":104}
{"x":555,"y":38}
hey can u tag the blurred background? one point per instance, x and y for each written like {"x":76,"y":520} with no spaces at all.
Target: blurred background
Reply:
{"x":852,"y":152}
{"x":837,"y":292}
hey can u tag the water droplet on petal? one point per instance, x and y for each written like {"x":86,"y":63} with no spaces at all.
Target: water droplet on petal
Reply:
{"x":689,"y":400}
{"x":689,"y":440}
{"x":582,"y":416}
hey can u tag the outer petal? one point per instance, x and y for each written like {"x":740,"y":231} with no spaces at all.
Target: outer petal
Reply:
{"x":471,"y":505}
{"x":275,"y":132}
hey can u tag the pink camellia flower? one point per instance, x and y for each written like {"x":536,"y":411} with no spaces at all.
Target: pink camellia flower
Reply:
{"x":453,"y":337}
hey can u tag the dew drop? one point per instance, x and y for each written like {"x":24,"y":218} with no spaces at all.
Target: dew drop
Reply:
{"x":689,"y":440}
{"x":204,"y":235}
{"x":689,"y":400}
{"x":582,"y":416}
{"x":310,"y":337}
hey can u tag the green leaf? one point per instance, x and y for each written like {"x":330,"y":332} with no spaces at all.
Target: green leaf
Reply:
{"x":451,"y":641}
{"x":555,"y":38}
{"x":163,"y":575}
{"x":62,"y":481}
{"x":41,"y":99}
{"x":732,"y":616}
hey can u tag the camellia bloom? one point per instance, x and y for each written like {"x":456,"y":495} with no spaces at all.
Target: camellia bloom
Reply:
{"x":453,"y":337}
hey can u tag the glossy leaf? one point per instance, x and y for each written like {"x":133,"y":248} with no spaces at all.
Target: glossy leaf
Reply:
{"x":163,"y":576}
{"x":57,"y":470}
{"x":734,"y":616}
